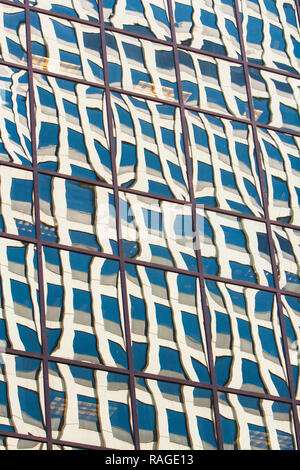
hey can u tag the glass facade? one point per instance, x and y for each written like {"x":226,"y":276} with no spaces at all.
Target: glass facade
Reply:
{"x":149,"y":224}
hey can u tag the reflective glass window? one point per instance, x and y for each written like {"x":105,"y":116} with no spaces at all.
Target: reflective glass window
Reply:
{"x":173,"y":416}
{"x":235,"y":248}
{"x":90,"y":406}
{"x":275,"y":99}
{"x":19,"y":312}
{"x":160,"y":232}
{"x":21,"y":396}
{"x":141,"y":66}
{"x":225,"y":172}
{"x":77,"y":214}
{"x":13,"y":35}
{"x":281,"y":158}
{"x":291,"y":312}
{"x":287,"y":248}
{"x":149,"y":147}
{"x":83,"y":9}
{"x":16,"y":194}
{"x":11,"y":443}
{"x":213,"y":84}
{"x":249,"y":423}
{"x":72,"y":137}
{"x":207,"y":26}
{"x":271,"y":33}
{"x":146,"y":17}
{"x":15,"y":139}
{"x":246,"y":339}
{"x":168,"y":336}
{"x":84,"y":314}
{"x":66,"y":47}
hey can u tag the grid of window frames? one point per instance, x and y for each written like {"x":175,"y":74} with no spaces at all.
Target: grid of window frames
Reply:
{"x":150,"y":224}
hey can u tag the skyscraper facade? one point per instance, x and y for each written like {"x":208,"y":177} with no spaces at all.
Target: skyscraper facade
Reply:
{"x":150,"y":224}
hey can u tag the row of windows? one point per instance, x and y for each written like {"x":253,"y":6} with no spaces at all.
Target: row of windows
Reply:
{"x":159,"y":232}
{"x":85,"y":319}
{"x":92,"y":407}
{"x":141,"y":66}
{"x":269,"y":28}
{"x":72,"y":138}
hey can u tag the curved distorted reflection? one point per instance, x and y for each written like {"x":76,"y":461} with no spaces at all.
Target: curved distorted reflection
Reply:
{"x":287,"y":250}
{"x":291,"y":312}
{"x":13,"y":35}
{"x":65,"y":47}
{"x":271,"y":33}
{"x":77,"y":214}
{"x":275,"y":99}
{"x":246,"y":339}
{"x":224,"y":164}
{"x":207,"y":26}
{"x":148,"y":17}
{"x":16,"y":208}
{"x":15,"y":139}
{"x":84,"y":314}
{"x":213,"y":84}
{"x":21,"y":396}
{"x":72,"y":137}
{"x":141,"y":66}
{"x":11,"y":443}
{"x":165,"y":423}
{"x":149,"y":147}
{"x":280,"y":153}
{"x":168,"y":335}
{"x":234,"y":248}
{"x":90,"y":406}
{"x":83,"y":9}
{"x":249,"y":423}
{"x":160,"y":232}
{"x":19,"y":297}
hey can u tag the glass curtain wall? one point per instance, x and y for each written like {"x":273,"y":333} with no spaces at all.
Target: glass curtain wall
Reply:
{"x":149,"y":224}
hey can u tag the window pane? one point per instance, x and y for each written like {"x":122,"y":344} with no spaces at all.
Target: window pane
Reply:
{"x":13,"y":36}
{"x":224,"y":164}
{"x":22,"y":398}
{"x":235,"y":248}
{"x":213,"y":84}
{"x":168,"y":336}
{"x":71,"y":130}
{"x":77,"y":214}
{"x":149,"y":144}
{"x":84,"y":313}
{"x":271,"y":33}
{"x":66,"y":47}
{"x":90,"y":406}
{"x":20,"y":314}
{"x":145,"y":17}
{"x":174,"y":417}
{"x":250,"y":423}
{"x":275,"y":99}
{"x":247,"y":343}
{"x":207,"y":26}
{"x":160,"y":232}
{"x":83,"y":9}
{"x":15,"y":139}
{"x":287,"y":243}
{"x":16,"y":193}
{"x":141,"y":66}
{"x":280,"y":153}
{"x":291,"y":312}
